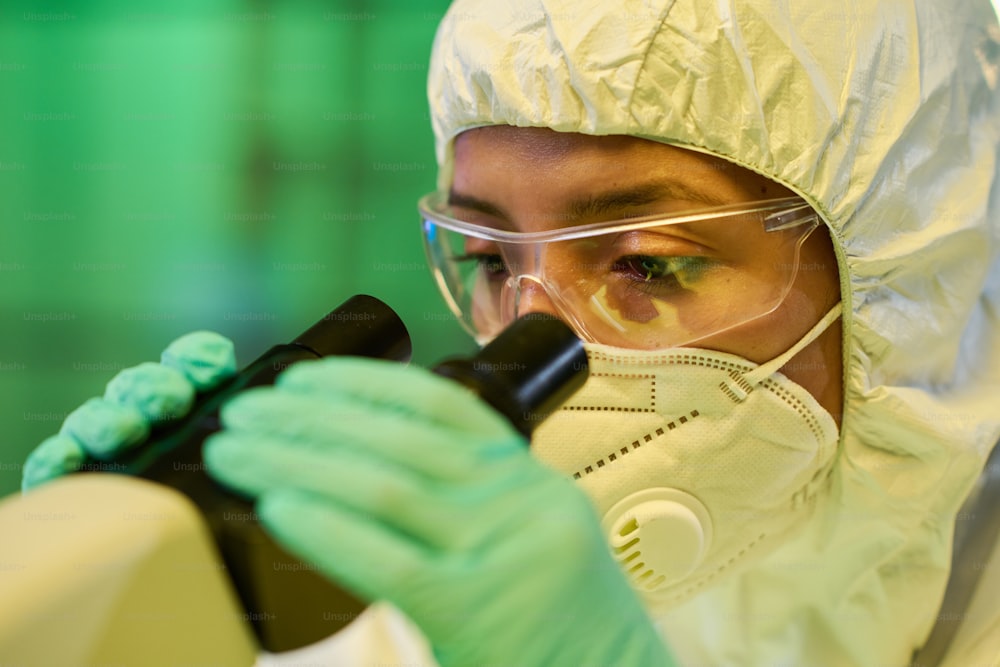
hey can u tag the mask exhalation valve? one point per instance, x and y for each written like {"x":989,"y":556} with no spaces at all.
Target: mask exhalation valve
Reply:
{"x":658,"y":536}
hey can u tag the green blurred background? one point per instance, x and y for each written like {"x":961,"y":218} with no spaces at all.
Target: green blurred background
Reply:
{"x":236,"y":166}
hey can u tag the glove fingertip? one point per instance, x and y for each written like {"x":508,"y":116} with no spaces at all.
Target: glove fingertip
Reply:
{"x":298,"y":517}
{"x":246,"y":407}
{"x":229,"y":461}
{"x":297,"y":520}
{"x":104,"y":429}
{"x":207,"y":358}
{"x":219,"y":452}
{"x":159,"y":392}
{"x":275,"y":506}
{"x":366,"y":557}
{"x":56,"y":456}
{"x":340,"y":374}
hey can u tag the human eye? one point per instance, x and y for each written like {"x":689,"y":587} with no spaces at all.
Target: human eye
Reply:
{"x":492,"y":266}
{"x":662,"y":275}
{"x":484,"y":258}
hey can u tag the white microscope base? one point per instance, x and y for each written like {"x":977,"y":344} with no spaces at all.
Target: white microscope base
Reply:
{"x":99,"y":569}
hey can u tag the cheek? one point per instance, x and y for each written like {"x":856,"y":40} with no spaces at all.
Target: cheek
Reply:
{"x":818,"y":271}
{"x":817,"y":368}
{"x":766,"y":337}
{"x":816,"y":289}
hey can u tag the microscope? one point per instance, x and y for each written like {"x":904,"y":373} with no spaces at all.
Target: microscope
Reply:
{"x":155,"y":564}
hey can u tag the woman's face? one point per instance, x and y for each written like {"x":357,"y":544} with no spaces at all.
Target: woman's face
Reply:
{"x":527,"y":179}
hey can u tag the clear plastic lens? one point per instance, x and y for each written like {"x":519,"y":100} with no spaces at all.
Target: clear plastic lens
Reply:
{"x":646,"y":284}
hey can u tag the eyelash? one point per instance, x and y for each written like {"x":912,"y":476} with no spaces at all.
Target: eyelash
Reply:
{"x":484,"y":260}
{"x":494,"y":268}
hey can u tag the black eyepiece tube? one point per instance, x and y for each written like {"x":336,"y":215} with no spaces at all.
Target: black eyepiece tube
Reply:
{"x":526,"y":372}
{"x":288,"y":604}
{"x":362,"y":326}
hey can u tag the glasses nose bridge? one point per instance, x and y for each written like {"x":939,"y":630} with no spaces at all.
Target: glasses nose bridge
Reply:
{"x":539,"y":272}
{"x":527,"y":293}
{"x":523,"y":258}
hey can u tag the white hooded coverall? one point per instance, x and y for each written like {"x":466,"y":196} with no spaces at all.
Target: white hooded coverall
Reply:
{"x":884,"y":117}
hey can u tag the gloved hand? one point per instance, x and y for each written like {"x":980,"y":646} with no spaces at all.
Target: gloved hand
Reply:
{"x":134,"y":401}
{"x":403,"y":486}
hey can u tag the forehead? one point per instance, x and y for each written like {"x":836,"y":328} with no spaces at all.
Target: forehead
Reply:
{"x":548,"y":149}
{"x":546,"y":168}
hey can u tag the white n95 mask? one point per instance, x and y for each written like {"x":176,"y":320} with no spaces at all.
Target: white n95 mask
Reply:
{"x":698,"y":461}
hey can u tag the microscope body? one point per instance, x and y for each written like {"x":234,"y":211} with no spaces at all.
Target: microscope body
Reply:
{"x":163,"y":566}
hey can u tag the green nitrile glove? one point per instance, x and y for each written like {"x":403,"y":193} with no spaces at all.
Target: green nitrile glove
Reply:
{"x":135,"y":400}
{"x":403,"y":486}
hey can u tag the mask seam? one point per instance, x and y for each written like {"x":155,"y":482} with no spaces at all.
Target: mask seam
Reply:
{"x":769,"y":385}
{"x":708,"y":576}
{"x":671,"y":358}
{"x":608,"y":459}
{"x":800,"y":408}
{"x":626,"y":376}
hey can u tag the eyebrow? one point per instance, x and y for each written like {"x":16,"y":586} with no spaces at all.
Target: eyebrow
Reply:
{"x":600,"y":204}
{"x":610,"y":201}
{"x":460,"y":200}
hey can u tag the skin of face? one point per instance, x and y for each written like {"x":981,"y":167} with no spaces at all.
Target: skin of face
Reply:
{"x":525,"y":177}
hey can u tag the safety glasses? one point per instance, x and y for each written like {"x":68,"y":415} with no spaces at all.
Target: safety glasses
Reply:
{"x":643,"y":283}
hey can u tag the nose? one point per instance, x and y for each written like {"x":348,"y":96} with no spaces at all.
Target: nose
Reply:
{"x":529,"y":296}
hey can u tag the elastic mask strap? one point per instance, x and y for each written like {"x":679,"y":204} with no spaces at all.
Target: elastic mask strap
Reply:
{"x":740,"y":385}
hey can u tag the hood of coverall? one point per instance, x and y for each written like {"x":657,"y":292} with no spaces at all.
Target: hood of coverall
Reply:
{"x":883,"y":116}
